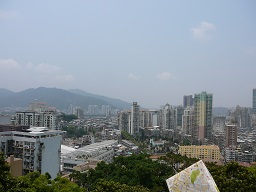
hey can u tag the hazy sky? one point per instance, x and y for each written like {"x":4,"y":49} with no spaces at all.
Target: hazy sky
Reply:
{"x":152,"y":52}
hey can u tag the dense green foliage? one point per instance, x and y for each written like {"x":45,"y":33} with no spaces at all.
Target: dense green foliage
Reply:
{"x":74,"y":132}
{"x":110,"y":186}
{"x":68,"y":118}
{"x":233,"y":177}
{"x":136,"y":173}
{"x":176,"y":159}
{"x":35,"y":182}
{"x":6,"y":180}
{"x":135,"y":170}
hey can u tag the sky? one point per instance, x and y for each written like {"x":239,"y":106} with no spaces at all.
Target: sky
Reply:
{"x":152,"y":52}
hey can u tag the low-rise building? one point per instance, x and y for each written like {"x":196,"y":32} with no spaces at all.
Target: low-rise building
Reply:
{"x":15,"y":166}
{"x":239,"y":156}
{"x":209,"y":153}
{"x":101,"y":151}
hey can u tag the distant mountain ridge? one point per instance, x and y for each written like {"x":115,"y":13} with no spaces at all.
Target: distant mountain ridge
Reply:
{"x":115,"y":102}
{"x":5,"y":92}
{"x":59,"y":98}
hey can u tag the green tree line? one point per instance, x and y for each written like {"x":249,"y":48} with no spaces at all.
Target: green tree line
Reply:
{"x":136,"y":173}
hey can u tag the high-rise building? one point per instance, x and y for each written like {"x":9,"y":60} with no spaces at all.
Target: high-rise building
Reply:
{"x":242,"y":116}
{"x":146,"y":118}
{"x":231,"y":136}
{"x":79,"y":112}
{"x":124,"y":121}
{"x":93,"y":110}
{"x":166,"y":117}
{"x":203,"y":116}
{"x":188,"y":121}
{"x":254,"y":101}
{"x":219,"y":124}
{"x":135,"y":118}
{"x":188,"y":101}
{"x":106,"y":110}
{"x":36,"y":119}
{"x":179,"y":111}
{"x":38,"y":147}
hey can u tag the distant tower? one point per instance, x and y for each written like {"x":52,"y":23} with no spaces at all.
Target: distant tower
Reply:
{"x":188,"y":101}
{"x":231,"y":136}
{"x":188,"y":121}
{"x":203,"y":116}
{"x":135,"y":118}
{"x":254,"y":101}
{"x":166,"y":117}
{"x":179,"y":111}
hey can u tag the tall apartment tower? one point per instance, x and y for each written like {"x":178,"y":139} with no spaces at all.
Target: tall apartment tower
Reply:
{"x":135,"y":119}
{"x":231,"y":136}
{"x":203,"y":116}
{"x":254,"y":101}
{"x":166,"y":117}
{"x":178,"y":112}
{"x":124,"y":121}
{"x":188,"y":121}
{"x":188,"y":101}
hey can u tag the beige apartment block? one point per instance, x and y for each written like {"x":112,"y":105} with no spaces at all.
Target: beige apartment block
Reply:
{"x":15,"y":166}
{"x":208,"y":153}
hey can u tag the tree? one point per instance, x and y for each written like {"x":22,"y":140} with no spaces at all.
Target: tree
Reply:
{"x":135,"y":170}
{"x":35,"y":182}
{"x":61,"y":184}
{"x":177,"y":161}
{"x":67,"y":118}
{"x":110,"y":186}
{"x":232,"y":177}
{"x":6,"y":181}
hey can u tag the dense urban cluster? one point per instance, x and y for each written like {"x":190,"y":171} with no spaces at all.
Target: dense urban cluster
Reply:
{"x":128,"y":149}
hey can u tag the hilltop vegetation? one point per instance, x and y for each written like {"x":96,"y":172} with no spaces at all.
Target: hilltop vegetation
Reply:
{"x":136,"y":173}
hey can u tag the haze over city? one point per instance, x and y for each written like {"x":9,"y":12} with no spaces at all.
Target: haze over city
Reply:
{"x":152,"y":52}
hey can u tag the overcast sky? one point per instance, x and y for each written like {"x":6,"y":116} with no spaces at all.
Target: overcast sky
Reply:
{"x":152,"y":52}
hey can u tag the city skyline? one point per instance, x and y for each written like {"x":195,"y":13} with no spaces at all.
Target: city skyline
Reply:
{"x":149,"y":52}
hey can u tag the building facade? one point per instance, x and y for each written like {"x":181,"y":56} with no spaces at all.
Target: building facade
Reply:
{"x":219,"y":124}
{"x":203,"y":116}
{"x":179,"y":111}
{"x":123,"y":120}
{"x":135,"y":119}
{"x":36,"y":119}
{"x":209,"y":153}
{"x":15,"y":166}
{"x":188,"y":121}
{"x":38,"y":147}
{"x":167,"y":117}
{"x":232,"y":154}
{"x":254,"y":101}
{"x":231,"y":136}
{"x":242,"y":116}
{"x":188,"y":101}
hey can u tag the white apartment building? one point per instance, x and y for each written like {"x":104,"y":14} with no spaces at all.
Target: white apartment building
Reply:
{"x":166,"y":117}
{"x":38,"y":147}
{"x":135,"y":119}
{"x":188,"y":121}
{"x":35,"y":119}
